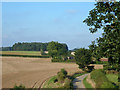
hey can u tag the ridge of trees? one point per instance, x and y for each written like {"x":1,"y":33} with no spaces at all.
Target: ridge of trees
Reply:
{"x":33,"y":46}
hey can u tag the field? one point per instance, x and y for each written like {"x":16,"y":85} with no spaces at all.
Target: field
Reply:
{"x":34,"y":53}
{"x":30,"y":72}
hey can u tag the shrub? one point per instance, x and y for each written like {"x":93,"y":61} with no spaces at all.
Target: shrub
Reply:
{"x":57,"y":59}
{"x":64,"y":72}
{"x":111,"y":67}
{"x":60,"y":77}
{"x":20,"y":87}
{"x":67,"y":83}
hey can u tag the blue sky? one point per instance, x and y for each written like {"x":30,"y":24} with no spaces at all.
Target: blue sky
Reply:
{"x":47,"y":21}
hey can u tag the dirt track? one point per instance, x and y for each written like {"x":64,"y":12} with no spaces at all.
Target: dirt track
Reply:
{"x":28,"y":71}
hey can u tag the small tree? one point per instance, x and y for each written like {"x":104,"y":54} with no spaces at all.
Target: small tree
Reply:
{"x":83,"y":58}
{"x":60,"y":77}
{"x":64,"y":72}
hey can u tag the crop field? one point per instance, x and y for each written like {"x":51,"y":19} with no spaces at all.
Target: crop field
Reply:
{"x":36,"y":53}
{"x":30,"y":72}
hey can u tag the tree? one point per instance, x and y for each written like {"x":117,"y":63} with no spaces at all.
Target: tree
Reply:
{"x":83,"y":58}
{"x":56,"y":49}
{"x":106,"y":16}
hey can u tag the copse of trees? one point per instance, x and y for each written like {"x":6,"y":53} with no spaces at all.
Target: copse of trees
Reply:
{"x":57,"y":50}
{"x":6,"y":49}
{"x":34,"y":46}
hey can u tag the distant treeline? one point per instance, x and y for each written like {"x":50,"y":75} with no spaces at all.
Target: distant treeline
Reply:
{"x":34,"y":46}
{"x":5,"y":48}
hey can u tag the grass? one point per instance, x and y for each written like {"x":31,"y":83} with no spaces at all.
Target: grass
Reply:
{"x":113,"y":78}
{"x":51,"y":84}
{"x":36,"y":53}
{"x":87,"y":85}
{"x":23,"y":54}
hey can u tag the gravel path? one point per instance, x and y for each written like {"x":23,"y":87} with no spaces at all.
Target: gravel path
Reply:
{"x":78,"y":82}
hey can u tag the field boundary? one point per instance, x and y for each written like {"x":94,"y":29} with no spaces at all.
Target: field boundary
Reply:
{"x":24,"y":56}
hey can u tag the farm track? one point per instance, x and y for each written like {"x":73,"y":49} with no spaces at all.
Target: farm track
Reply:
{"x":30,"y":72}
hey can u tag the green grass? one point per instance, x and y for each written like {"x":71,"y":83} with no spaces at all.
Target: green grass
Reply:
{"x":36,"y":53}
{"x":113,"y":78}
{"x":86,"y":84}
{"x":50,"y":83}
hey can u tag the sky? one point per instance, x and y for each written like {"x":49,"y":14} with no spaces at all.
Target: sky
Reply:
{"x":47,"y":21}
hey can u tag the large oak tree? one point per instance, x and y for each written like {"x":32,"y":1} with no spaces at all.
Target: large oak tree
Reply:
{"x":106,"y":16}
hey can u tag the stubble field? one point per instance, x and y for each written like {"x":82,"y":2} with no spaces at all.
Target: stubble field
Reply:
{"x":30,"y":71}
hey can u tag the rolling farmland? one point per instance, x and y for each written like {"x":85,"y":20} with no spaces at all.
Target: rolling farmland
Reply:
{"x":30,"y":71}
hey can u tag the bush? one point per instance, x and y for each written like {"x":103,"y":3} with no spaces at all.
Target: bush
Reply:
{"x":20,"y":87}
{"x":67,"y":83}
{"x":111,"y":67}
{"x":107,"y":85}
{"x":64,"y":72}
{"x":57,"y":59}
{"x":60,"y":77}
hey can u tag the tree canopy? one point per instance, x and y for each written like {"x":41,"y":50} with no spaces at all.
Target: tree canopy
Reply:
{"x":57,"y":49}
{"x":106,"y":16}
{"x":34,"y":46}
{"x":83,"y":57}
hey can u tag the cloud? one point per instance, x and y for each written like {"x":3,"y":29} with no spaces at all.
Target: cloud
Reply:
{"x":72,"y":11}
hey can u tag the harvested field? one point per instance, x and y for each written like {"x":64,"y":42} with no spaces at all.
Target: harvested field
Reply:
{"x":28,"y":71}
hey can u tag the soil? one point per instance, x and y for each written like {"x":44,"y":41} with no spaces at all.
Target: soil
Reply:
{"x":30,"y":71}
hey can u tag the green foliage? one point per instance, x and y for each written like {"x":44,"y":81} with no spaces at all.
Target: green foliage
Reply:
{"x":61,"y":75}
{"x":67,"y":83}
{"x":6,"y":49}
{"x":57,"y":59}
{"x":64,"y":72}
{"x":56,"y":49}
{"x":100,"y":79}
{"x":107,"y":85}
{"x":101,"y":62}
{"x":111,"y":67}
{"x":29,"y":46}
{"x":20,"y":87}
{"x":106,"y":16}
{"x":113,"y":78}
{"x":83,"y":57}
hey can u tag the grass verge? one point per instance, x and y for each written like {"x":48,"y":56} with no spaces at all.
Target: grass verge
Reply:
{"x":113,"y":78}
{"x":51,"y":83}
{"x":86,"y":84}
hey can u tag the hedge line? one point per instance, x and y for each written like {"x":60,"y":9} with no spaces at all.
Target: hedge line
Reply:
{"x":25,"y":56}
